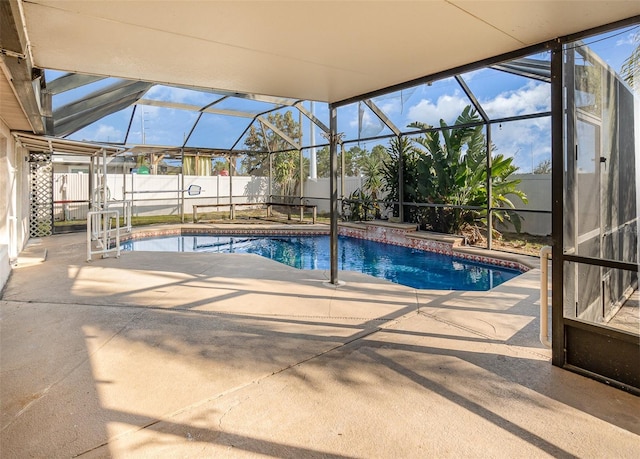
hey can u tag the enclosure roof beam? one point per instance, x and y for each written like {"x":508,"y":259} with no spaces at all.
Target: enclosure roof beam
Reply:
{"x":80,"y":113}
{"x":71,"y":81}
{"x":79,"y":120}
{"x":284,"y":136}
{"x":101,"y":97}
{"x":472,"y":98}
{"x":311,"y":116}
{"x":187,"y":151}
{"x":261,"y":98}
{"x":195,"y":108}
{"x":133,"y":114}
{"x":93,"y":110}
{"x":380,"y":114}
{"x":526,"y":67}
{"x":242,"y":134}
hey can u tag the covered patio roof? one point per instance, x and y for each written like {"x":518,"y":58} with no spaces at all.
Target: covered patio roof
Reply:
{"x":309,"y":50}
{"x":313,"y":50}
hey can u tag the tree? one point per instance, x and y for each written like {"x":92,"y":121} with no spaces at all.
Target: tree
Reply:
{"x":543,"y":167}
{"x":448,"y":167}
{"x":263,"y":141}
{"x":380,"y":152}
{"x":630,"y":69}
{"x":363,"y":202}
{"x":322,"y":162}
{"x":372,"y":167}
{"x":400,"y":150}
{"x":352,"y":160}
{"x":286,"y":161}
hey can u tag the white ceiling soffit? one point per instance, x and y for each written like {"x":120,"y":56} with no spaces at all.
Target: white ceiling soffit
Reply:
{"x":315,"y":50}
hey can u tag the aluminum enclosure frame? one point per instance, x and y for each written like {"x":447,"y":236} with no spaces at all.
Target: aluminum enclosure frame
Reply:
{"x":599,"y":336}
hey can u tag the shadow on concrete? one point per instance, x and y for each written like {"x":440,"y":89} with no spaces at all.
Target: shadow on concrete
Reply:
{"x":94,"y":353}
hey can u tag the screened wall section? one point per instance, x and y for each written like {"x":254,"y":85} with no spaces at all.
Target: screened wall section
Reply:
{"x":597,"y":328}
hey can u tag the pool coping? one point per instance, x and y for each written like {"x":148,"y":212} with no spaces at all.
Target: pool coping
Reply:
{"x":400,"y":235}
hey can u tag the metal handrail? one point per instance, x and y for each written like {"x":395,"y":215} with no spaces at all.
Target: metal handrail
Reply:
{"x":103,"y":233}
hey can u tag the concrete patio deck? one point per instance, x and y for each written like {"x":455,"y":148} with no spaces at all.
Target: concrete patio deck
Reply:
{"x":215,"y":355}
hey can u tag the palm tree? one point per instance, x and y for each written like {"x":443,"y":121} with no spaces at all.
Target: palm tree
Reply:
{"x":449,"y":167}
{"x":372,"y":169}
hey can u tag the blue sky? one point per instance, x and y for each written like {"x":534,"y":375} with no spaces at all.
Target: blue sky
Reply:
{"x":501,"y":95}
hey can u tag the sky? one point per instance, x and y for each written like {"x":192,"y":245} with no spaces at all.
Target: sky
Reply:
{"x":500,"y":94}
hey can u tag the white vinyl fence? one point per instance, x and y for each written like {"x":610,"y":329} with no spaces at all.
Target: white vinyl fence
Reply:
{"x":152,"y":194}
{"x":317,"y":191}
{"x":161,"y":194}
{"x":537,"y":188}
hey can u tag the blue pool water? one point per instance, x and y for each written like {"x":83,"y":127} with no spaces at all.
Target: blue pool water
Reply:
{"x":402,"y":265}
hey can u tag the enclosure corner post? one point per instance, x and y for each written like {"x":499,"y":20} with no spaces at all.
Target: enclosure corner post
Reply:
{"x":557,"y":198}
{"x":333,"y":183}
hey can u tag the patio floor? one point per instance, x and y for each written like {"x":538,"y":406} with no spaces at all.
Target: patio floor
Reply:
{"x":217,"y":355}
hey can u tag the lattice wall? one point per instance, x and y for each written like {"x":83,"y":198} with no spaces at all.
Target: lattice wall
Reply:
{"x":41,"y":190}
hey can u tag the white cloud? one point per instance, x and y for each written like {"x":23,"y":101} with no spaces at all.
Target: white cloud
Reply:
{"x":391,"y":106}
{"x":101,"y":133}
{"x":447,"y":107}
{"x":179,"y":95}
{"x":105,"y":129}
{"x":534,"y":97}
{"x":632,"y":38}
{"x":474,"y":74}
{"x":528,"y":141}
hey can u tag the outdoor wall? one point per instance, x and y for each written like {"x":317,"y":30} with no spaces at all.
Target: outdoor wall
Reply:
{"x":537,"y":188}
{"x":5,"y":199}
{"x":13,"y":194}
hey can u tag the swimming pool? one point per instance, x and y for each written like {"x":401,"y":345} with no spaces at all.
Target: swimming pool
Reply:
{"x":411,"y":267}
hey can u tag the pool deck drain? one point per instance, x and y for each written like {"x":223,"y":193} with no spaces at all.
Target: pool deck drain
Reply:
{"x":225,"y":355}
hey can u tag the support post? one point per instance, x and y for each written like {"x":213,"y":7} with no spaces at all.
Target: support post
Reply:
{"x":105,"y":204}
{"x":91,"y":182}
{"x":333,"y":184}
{"x":401,"y":181}
{"x":270,"y":177}
{"x":557,"y":207}
{"x":313,"y":159}
{"x":181,"y":204}
{"x":301,"y":175}
{"x":343,"y":166}
{"x":232,"y":209}
{"x":489,"y":191}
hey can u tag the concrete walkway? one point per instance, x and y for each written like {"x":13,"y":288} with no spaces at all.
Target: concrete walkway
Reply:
{"x":213,"y":355}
